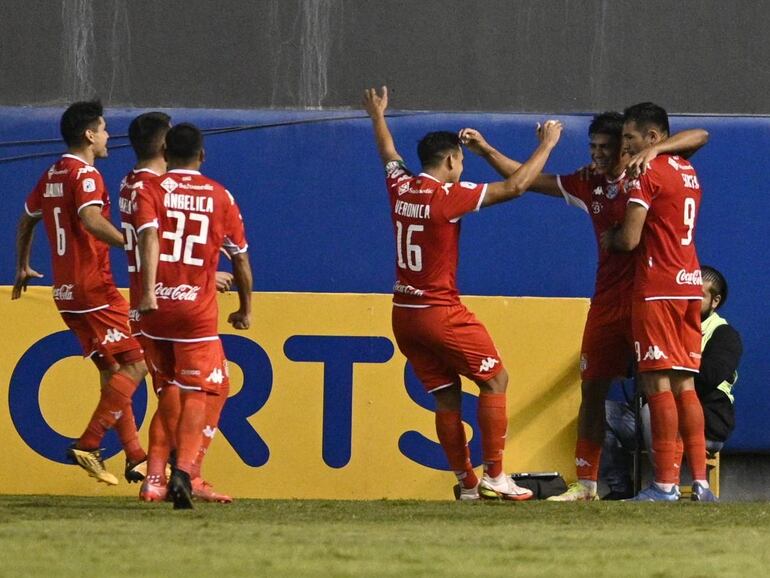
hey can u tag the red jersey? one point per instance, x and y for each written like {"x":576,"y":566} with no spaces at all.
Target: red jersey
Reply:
{"x":135,"y":181}
{"x":82,"y":276}
{"x":605,"y":202}
{"x":426,"y":221}
{"x":195,"y":217}
{"x":667,"y":264}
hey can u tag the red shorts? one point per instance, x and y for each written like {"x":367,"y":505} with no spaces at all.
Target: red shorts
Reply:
{"x":608,"y":348}
{"x":158,"y":381}
{"x":105,"y":336}
{"x":443,"y":342}
{"x":667,"y":334}
{"x":197,"y":366}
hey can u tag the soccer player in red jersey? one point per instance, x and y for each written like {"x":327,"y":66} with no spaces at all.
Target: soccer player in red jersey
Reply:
{"x":607,"y":349}
{"x":660,"y":220}
{"x":182,"y":220}
{"x":440,"y":337}
{"x":72,"y":201}
{"x":147,"y":134}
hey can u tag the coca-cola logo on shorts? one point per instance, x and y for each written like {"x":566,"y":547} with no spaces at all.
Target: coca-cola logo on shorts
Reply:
{"x":177,"y":293}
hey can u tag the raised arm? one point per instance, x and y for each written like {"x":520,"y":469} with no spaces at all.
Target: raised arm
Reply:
{"x":521,"y":180}
{"x":629,"y":234}
{"x":685,"y":143}
{"x":24,"y":273}
{"x":95,"y":223}
{"x":241,"y":319}
{"x":375,"y":105}
{"x":505,"y":166}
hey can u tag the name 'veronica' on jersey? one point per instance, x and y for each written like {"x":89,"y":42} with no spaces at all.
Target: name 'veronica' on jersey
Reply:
{"x":426,"y":221}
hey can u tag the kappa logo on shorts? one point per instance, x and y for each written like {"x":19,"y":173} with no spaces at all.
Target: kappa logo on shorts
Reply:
{"x":113,"y":336}
{"x":488,"y":364}
{"x":216,"y":376}
{"x":582,"y":463}
{"x":209,"y":431}
{"x":655,"y":353}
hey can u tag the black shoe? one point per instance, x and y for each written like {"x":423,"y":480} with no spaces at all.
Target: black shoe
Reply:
{"x":617,"y":496}
{"x":180,"y":490}
{"x":136,"y":471}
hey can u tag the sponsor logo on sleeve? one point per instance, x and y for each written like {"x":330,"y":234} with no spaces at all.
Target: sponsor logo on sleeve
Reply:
{"x":632,"y":185}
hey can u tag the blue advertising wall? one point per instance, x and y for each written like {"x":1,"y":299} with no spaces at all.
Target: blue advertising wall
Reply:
{"x":311,"y":191}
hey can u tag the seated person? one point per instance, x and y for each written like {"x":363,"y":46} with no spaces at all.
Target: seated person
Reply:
{"x":722,"y":350}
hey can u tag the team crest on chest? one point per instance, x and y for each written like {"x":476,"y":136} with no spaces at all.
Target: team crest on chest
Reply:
{"x":612,"y":190}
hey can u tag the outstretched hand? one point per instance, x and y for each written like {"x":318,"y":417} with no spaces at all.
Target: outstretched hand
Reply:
{"x":474,"y":140}
{"x":640,"y":162}
{"x":374,"y":103}
{"x":23,"y":277}
{"x":549,"y":132}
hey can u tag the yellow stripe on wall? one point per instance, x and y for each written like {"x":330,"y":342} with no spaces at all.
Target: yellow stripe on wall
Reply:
{"x":538,"y":339}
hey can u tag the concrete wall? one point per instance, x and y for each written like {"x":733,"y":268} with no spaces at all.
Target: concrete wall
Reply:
{"x":691,"y":56}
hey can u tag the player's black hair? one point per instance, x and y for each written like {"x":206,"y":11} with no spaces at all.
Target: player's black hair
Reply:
{"x":718,"y":283}
{"x":609,"y":123}
{"x":78,"y":118}
{"x":184,"y":142}
{"x":434,"y":146}
{"x":147,"y":133}
{"x":646,"y":114}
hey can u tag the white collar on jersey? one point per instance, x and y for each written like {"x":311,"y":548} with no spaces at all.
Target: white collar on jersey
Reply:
{"x":152,"y":172}
{"x":76,"y":157}
{"x":617,"y":179}
{"x":429,"y":177}
{"x":184,"y":172}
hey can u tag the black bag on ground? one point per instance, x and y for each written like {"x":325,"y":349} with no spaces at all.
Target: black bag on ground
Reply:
{"x":543,"y":484}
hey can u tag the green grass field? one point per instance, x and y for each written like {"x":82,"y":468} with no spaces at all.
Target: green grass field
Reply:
{"x":75,"y":536}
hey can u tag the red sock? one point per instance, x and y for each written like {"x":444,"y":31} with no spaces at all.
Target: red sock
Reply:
{"x":114,"y":400}
{"x":493,"y":423}
{"x":191,"y":423}
{"x":678,"y":456}
{"x":587,"y":455}
{"x":214,"y":405}
{"x":169,"y":408}
{"x":129,"y":438}
{"x":451,"y":434}
{"x":692,"y":428}
{"x":665,"y":426}
{"x":157,"y":456}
